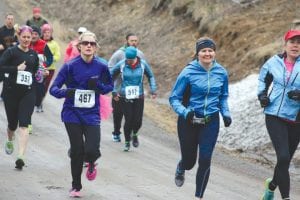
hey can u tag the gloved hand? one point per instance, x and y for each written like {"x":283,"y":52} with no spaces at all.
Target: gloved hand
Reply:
{"x":92,"y":83}
{"x":70,"y":92}
{"x":264,"y":100}
{"x":227,"y":121}
{"x":294,"y":94}
{"x":189,"y":117}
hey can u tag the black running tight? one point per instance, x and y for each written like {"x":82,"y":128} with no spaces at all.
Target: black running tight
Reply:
{"x":285,"y":137}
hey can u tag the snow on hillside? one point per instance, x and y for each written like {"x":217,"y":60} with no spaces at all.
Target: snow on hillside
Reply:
{"x":247,"y":131}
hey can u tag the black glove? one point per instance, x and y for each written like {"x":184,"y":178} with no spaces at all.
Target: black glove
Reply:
{"x":189,"y":117}
{"x":294,"y":94}
{"x":70,"y":92}
{"x":227,"y":121}
{"x":264,"y":100}
{"x":92,"y":83}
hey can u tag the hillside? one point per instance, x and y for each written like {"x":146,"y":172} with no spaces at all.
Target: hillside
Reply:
{"x":247,"y":33}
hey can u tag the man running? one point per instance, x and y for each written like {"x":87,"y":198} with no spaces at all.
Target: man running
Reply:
{"x":131,"y":40}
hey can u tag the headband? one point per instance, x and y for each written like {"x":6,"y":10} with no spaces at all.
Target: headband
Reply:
{"x":205,"y":44}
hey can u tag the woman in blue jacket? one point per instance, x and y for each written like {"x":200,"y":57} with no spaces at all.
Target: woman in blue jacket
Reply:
{"x":85,"y":77}
{"x":199,"y":94}
{"x":131,"y":94}
{"x":282,"y":106}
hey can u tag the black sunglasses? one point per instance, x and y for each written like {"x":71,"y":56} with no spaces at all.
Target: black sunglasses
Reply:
{"x":85,"y":43}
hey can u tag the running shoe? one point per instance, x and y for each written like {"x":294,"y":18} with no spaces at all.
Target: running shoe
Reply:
{"x":29,"y":128}
{"x":268,"y":194}
{"x":116,"y":137}
{"x":91,"y":172}
{"x":127,"y":146}
{"x":9,"y":147}
{"x":41,"y":108}
{"x":74,"y":193}
{"x":135,"y":141}
{"x":19,"y":163}
{"x":179,"y":177}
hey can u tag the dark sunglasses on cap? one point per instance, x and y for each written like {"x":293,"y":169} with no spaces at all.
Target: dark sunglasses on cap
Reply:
{"x":85,"y":43}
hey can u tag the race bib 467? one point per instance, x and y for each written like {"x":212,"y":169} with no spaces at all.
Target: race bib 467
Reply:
{"x":84,"y":98}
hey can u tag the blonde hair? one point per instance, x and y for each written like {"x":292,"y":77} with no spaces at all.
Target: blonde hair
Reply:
{"x":87,"y":33}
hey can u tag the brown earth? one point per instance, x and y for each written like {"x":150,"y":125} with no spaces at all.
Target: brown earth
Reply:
{"x":246,"y":34}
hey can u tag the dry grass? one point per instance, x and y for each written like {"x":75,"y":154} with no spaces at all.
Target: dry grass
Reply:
{"x":162,"y":115}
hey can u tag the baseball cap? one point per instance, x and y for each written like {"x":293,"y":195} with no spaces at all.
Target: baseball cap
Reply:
{"x":290,"y":34}
{"x":81,"y":30}
{"x":36,"y":10}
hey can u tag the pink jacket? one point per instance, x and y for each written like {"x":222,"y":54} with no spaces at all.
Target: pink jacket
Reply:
{"x":71,"y":50}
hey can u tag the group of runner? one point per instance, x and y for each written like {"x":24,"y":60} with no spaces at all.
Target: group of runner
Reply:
{"x":28,"y":65}
{"x":199,"y":95}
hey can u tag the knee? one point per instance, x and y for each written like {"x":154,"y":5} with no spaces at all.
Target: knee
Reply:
{"x":283,"y":161}
{"x":189,"y":164}
{"x":204,"y":162}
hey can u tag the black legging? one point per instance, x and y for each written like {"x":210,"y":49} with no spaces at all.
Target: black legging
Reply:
{"x":19,"y":106}
{"x":285,"y":137}
{"x":117,"y":115}
{"x":133,"y":112}
{"x":201,"y":140}
{"x":40,"y":93}
{"x":85,"y":147}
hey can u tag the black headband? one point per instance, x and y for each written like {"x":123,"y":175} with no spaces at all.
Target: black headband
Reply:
{"x":205,"y":44}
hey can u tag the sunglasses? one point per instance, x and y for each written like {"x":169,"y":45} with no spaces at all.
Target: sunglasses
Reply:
{"x":85,"y":43}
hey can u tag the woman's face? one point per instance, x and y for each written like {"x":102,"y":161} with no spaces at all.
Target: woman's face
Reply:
{"x":292,"y":47}
{"x":47,"y":35}
{"x":206,"y":56}
{"x":25,"y":39}
{"x":88,"y":45}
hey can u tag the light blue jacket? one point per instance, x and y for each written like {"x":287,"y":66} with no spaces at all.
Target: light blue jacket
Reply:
{"x":117,"y":57}
{"x":133,"y":77}
{"x":274,"y":71}
{"x":208,"y":90}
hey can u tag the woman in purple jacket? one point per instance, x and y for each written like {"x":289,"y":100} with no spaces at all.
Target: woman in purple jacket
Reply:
{"x":85,"y":78}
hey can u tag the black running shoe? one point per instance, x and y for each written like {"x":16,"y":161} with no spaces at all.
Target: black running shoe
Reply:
{"x":135,"y":141}
{"x":19,"y":164}
{"x":179,"y":177}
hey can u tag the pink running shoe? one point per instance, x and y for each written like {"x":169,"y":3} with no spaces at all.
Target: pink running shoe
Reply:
{"x":75,"y":193}
{"x":91,"y":172}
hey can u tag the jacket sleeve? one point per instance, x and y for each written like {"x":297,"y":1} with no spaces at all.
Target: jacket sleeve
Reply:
{"x":265,"y":79}
{"x":61,"y":78}
{"x":56,"y":52}
{"x":151,"y":79}
{"x":106,"y":84}
{"x":177,"y":92}
{"x":224,"y":108}
{"x":6,"y":56}
{"x":115,"y":58}
{"x":49,"y":56}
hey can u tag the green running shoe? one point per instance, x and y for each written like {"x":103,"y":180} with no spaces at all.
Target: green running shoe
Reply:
{"x":30,"y":129}
{"x":127,"y":146}
{"x":268,"y":194}
{"x":9,"y":147}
